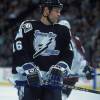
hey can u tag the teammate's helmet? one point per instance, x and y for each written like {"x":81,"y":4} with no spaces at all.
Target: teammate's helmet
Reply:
{"x":52,"y":3}
{"x":65,"y":23}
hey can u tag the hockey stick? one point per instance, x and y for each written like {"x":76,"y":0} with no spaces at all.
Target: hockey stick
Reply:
{"x":81,"y":75}
{"x":41,"y":50}
{"x":64,"y":86}
{"x":80,"y":88}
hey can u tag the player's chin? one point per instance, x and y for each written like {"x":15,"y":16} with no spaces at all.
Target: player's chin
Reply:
{"x":55,"y":21}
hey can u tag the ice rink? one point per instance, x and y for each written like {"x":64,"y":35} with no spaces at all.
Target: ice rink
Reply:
{"x":10,"y":93}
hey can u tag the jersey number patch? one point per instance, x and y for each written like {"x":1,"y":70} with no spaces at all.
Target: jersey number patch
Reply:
{"x":18,"y":46}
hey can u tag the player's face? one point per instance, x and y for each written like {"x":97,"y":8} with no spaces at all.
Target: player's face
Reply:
{"x":54,"y":14}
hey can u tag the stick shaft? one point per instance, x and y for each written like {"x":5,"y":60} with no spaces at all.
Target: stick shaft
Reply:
{"x":81,"y":89}
{"x":72,"y":75}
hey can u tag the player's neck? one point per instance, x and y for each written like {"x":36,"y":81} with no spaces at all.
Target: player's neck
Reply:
{"x":45,"y":21}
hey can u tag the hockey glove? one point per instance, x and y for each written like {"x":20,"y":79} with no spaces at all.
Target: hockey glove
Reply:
{"x":65,"y":68}
{"x":33,"y":74}
{"x":54,"y":76}
{"x":89,"y":72}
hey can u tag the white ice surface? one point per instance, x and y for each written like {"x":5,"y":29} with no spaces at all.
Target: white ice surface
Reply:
{"x":10,"y":93}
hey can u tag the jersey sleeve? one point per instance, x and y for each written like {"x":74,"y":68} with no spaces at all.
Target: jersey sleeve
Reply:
{"x":20,"y":46}
{"x":67,"y":54}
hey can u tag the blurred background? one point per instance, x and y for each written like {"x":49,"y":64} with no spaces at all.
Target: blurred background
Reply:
{"x":83,"y":15}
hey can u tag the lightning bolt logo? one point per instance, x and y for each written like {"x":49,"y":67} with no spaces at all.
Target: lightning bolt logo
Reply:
{"x":42,"y":49}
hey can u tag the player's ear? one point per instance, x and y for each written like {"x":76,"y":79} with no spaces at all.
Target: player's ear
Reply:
{"x":46,"y":11}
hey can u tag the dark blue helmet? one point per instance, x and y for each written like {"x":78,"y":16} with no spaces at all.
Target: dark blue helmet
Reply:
{"x":52,"y":3}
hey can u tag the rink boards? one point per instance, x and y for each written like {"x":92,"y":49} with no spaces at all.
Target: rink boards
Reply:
{"x":5,"y":74}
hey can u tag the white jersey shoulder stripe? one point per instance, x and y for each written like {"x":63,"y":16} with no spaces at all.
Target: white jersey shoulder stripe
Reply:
{"x":26,"y":25}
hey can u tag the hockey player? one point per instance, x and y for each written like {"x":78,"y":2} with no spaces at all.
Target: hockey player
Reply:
{"x":40,"y":50}
{"x":79,"y":64}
